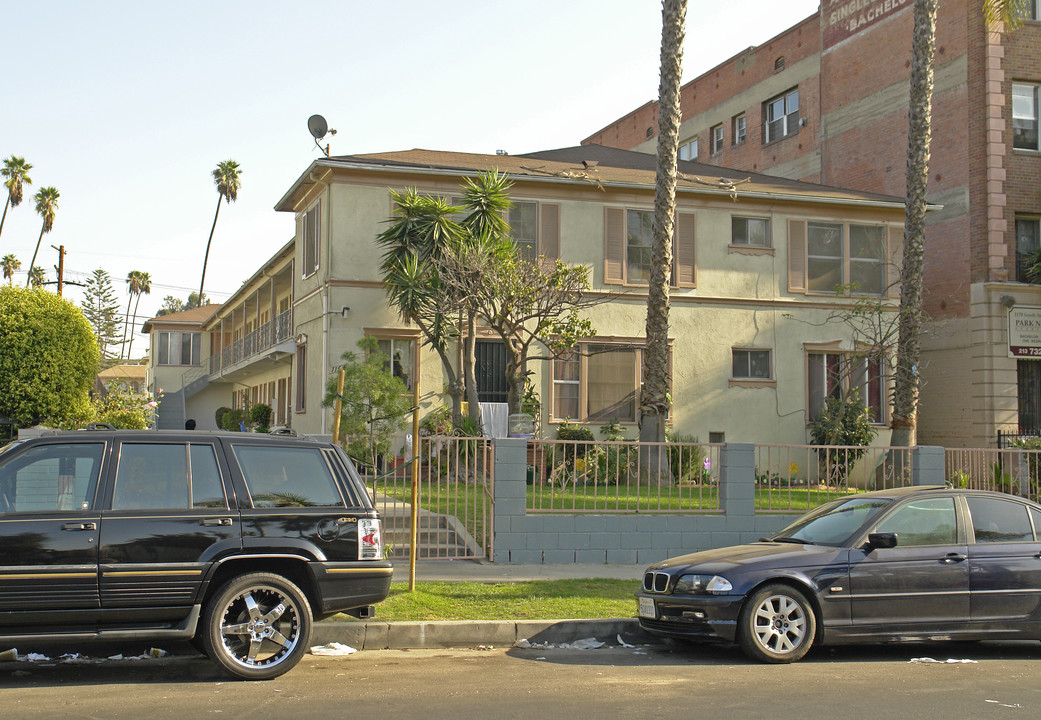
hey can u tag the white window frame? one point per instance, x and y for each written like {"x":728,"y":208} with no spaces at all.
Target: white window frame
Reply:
{"x":717,"y":139}
{"x":1026,"y":113}
{"x":847,"y":263}
{"x":587,"y":352}
{"x":787,"y":122}
{"x":741,"y":363}
{"x":689,"y":150}
{"x":408,"y":344}
{"x":175,"y":348}
{"x":646,"y":227}
{"x":740,"y":124}
{"x":844,"y":379}
{"x":744,"y":241}
{"x":1027,"y":228}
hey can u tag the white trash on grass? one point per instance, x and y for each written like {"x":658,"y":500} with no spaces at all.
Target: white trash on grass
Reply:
{"x":333,"y":649}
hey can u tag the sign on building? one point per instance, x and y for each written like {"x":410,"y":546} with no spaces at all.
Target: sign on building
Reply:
{"x":1024,"y":332}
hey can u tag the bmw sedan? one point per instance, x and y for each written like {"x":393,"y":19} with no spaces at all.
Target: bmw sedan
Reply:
{"x":911,"y":564}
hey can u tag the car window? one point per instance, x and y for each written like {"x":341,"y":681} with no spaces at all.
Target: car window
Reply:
{"x":287,"y":476}
{"x":51,"y":478}
{"x":151,"y":476}
{"x":834,"y":523}
{"x":206,"y":487}
{"x":1035,"y":516}
{"x":930,"y":521}
{"x":995,"y":520}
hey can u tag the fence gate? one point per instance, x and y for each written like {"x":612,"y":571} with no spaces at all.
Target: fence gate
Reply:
{"x":456,"y":500}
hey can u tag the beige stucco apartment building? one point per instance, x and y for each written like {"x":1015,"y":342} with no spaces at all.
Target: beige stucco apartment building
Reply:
{"x":755,"y":341}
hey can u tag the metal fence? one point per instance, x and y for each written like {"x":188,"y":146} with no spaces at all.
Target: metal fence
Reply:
{"x":1016,"y":472}
{"x":456,"y":497}
{"x":570,"y":476}
{"x":799,"y":477}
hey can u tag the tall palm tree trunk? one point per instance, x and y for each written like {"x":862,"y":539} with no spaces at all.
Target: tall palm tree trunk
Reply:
{"x":7,"y":204}
{"x":32,"y":263}
{"x":654,"y":398}
{"x":133,"y":327}
{"x":206,"y":257}
{"x":126,"y":322}
{"x":906,"y":386}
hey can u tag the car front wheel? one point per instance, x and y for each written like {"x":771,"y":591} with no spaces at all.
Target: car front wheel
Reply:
{"x":257,"y":626}
{"x":777,"y":625}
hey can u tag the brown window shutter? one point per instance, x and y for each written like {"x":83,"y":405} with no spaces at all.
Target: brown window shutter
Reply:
{"x":893,"y":255}
{"x":685,"y":273}
{"x":549,"y":230}
{"x":614,"y":246}
{"x":797,"y":256}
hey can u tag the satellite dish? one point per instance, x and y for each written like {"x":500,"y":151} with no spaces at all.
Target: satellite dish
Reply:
{"x":318,"y":126}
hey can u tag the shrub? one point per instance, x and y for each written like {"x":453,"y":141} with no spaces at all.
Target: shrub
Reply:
{"x":846,"y":422}
{"x":232,"y":420}
{"x":260,"y":416}
{"x":219,"y":415}
{"x":687,"y":459}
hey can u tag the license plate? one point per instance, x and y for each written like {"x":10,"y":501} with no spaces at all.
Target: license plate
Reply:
{"x":647,"y":608}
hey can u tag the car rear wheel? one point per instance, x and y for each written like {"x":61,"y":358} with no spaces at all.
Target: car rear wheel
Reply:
{"x":257,"y":626}
{"x":777,"y":625}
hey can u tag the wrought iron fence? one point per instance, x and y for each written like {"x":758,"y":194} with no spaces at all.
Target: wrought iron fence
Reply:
{"x":1017,"y":472}
{"x":799,"y":477}
{"x":576,"y":476}
{"x":455,"y":489}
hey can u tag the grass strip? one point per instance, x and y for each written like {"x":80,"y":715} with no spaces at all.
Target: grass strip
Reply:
{"x":533,"y":600}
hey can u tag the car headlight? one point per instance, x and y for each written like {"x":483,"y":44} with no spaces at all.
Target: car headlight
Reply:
{"x":701,"y":584}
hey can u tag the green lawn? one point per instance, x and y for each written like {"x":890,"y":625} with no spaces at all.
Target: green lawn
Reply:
{"x":536,"y":600}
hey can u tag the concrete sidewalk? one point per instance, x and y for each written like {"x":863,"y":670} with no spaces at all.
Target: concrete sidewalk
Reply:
{"x":377,"y":635}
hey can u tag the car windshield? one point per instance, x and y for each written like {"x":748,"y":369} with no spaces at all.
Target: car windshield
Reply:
{"x":834,"y":522}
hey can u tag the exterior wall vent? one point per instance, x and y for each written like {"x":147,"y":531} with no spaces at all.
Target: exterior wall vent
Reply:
{"x":779,"y":64}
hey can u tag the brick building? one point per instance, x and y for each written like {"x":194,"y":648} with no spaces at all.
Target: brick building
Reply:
{"x":826,"y":101}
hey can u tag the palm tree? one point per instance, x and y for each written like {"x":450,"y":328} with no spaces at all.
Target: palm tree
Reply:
{"x":37,"y":277}
{"x":46,"y":205}
{"x":10,"y":264}
{"x":1011,"y":14}
{"x":133,"y":289}
{"x":654,"y":397}
{"x":226,"y":177}
{"x":144,"y":287}
{"x":16,"y":170}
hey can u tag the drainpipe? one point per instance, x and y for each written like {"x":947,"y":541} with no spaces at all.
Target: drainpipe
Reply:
{"x":325,"y":294}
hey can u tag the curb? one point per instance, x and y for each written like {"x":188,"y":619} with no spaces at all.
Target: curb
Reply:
{"x":471,"y":633}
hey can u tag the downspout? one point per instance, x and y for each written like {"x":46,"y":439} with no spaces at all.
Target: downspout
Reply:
{"x":325,"y":295}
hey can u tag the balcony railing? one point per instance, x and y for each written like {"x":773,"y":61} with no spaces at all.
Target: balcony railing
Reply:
{"x":263,"y":338}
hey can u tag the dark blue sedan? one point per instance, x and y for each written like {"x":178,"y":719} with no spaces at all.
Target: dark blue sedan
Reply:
{"x":910,"y":564}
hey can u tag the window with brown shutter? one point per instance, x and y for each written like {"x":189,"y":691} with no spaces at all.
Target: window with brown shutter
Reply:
{"x":893,"y":254}
{"x":549,"y":230}
{"x":797,"y":256}
{"x":614,"y":246}
{"x":684,"y":273}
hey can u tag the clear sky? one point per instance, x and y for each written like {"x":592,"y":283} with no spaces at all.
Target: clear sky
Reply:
{"x":126,"y":107}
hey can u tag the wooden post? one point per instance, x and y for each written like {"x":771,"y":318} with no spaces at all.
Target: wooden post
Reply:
{"x":337,"y":408}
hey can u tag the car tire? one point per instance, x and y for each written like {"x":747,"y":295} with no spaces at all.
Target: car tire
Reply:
{"x":777,"y":625}
{"x":257,"y":626}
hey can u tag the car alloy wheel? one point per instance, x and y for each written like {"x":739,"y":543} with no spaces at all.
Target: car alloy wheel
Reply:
{"x":258,"y":626}
{"x":777,"y":625}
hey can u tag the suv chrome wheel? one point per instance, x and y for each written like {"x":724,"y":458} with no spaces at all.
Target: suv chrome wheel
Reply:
{"x":257,"y":626}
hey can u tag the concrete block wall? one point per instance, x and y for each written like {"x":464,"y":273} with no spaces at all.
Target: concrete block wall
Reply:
{"x":523,"y":537}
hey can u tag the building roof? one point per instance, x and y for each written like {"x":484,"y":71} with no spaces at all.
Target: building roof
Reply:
{"x":594,"y":164}
{"x":124,"y":372}
{"x":195,"y":316}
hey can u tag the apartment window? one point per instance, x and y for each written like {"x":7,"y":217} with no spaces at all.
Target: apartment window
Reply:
{"x":312,"y":238}
{"x":536,"y":229}
{"x":782,"y":115}
{"x":837,"y":255}
{"x":838,"y":375}
{"x":717,"y":139}
{"x":689,"y":150}
{"x":301,"y":377}
{"x":629,"y":243}
{"x":400,"y":354}
{"x":750,"y":364}
{"x":1028,"y":242}
{"x":750,"y":231}
{"x":1028,"y":384}
{"x":639,"y":244}
{"x":179,"y":348}
{"x":739,"y":129}
{"x":1032,"y":10}
{"x":1025,"y":116}
{"x":599,"y":383}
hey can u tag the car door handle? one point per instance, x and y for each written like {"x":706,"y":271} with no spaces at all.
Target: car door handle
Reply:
{"x":226,"y":522}
{"x":80,"y":526}
{"x":954,"y":557}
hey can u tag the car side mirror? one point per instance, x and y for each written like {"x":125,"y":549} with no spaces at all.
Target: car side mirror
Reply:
{"x":876,"y":541}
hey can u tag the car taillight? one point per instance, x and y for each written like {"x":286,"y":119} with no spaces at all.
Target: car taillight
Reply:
{"x":370,"y":540}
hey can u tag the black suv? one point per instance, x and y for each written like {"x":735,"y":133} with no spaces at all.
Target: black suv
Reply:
{"x":234,"y":541}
